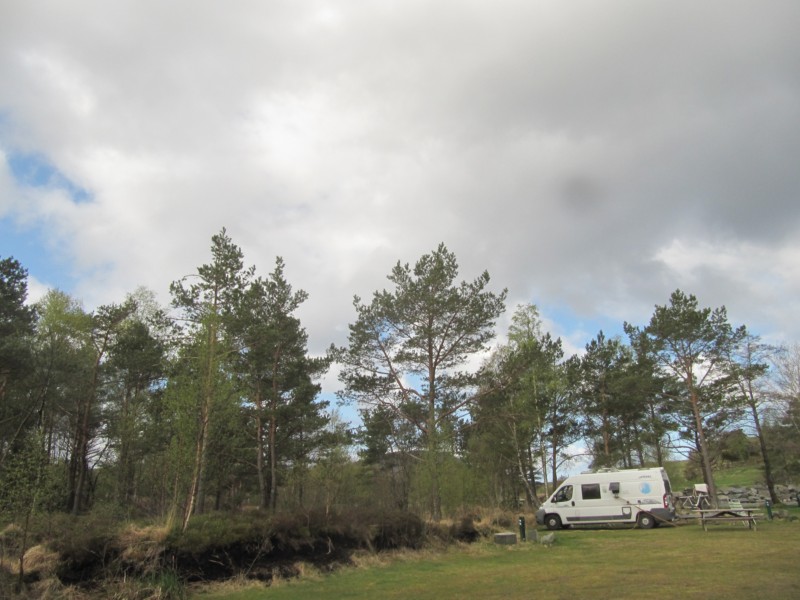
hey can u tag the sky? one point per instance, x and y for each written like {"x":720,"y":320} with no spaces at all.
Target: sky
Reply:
{"x":591,"y":156}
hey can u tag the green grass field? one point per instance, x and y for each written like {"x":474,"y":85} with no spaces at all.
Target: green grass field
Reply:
{"x":684,"y":562}
{"x":740,"y":475}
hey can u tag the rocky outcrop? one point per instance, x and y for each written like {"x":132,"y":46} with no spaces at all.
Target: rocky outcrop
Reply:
{"x":757,"y":495}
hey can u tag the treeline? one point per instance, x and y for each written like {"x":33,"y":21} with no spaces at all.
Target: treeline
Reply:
{"x":213,"y":403}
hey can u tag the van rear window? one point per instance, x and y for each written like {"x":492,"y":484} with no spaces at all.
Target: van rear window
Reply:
{"x":590,"y":491}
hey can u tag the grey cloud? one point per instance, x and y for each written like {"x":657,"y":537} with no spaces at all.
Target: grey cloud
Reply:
{"x":561,"y":146}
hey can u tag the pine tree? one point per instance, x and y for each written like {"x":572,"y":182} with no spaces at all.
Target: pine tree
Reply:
{"x":408,"y":347}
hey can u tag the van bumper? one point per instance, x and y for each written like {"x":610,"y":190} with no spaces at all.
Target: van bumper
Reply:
{"x":540,"y":514}
{"x":663,"y":514}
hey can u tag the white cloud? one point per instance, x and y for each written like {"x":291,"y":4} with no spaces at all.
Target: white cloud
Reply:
{"x":758,"y":285}
{"x":593,"y":157}
{"x":36,"y":290}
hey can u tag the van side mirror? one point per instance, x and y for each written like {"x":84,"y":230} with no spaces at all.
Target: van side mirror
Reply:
{"x":613,"y":487}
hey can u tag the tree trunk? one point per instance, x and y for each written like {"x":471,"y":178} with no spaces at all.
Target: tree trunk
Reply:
{"x":273,"y":429}
{"x":637,"y":440}
{"x":124,"y":482}
{"x":263,"y":497}
{"x":606,"y":433}
{"x":543,"y":459}
{"x":196,"y":499}
{"x":656,"y":436}
{"x":200,"y":502}
{"x":82,"y":437}
{"x":762,"y":442}
{"x":705,"y":458}
{"x":433,"y":444}
{"x":273,"y":462}
{"x":530,"y":491}
{"x":191,"y":498}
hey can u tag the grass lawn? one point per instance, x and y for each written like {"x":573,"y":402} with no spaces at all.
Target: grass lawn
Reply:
{"x":738,"y":475}
{"x":728,"y":561}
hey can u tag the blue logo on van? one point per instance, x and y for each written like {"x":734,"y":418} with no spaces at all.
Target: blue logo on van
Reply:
{"x":644,"y":487}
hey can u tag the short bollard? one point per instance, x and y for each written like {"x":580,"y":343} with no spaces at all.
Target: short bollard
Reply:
{"x":522,"y":529}
{"x":768,"y":505}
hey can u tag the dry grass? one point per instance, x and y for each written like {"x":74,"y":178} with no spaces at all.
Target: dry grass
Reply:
{"x":41,"y":560}
{"x":143,"y":545}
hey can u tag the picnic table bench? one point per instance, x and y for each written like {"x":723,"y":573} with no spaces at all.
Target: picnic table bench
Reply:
{"x":732,"y":514}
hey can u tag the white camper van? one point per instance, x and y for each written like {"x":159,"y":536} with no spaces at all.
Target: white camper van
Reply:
{"x":641,"y":496}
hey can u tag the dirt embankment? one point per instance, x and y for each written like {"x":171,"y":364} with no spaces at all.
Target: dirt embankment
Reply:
{"x":91,"y":554}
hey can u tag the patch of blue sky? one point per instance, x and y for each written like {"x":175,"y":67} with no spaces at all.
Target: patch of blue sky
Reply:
{"x":31,"y":169}
{"x":580,"y":330}
{"x":32,"y":248}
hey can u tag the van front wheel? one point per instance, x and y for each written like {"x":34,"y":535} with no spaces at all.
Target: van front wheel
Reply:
{"x":553,"y":522}
{"x":645,"y":520}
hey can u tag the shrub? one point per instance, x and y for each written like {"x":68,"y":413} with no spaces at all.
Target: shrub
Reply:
{"x":398,"y":529}
{"x":10,"y":540}
{"x":219,"y":530}
{"x":464,"y":530}
{"x":86,"y":545}
{"x":504,"y":520}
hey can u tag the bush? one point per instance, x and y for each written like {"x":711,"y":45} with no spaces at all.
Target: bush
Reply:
{"x":465,"y":530}
{"x":504,"y":520}
{"x":219,"y":530}
{"x":84,"y":554}
{"x":398,"y":529}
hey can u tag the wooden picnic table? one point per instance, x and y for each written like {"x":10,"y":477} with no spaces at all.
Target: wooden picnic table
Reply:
{"x":745,"y":516}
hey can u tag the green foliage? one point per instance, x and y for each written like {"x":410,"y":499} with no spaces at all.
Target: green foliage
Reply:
{"x":22,"y":477}
{"x":692,"y":345}
{"x":219,"y":531}
{"x":525,"y":417}
{"x":282,"y":531}
{"x":85,"y":544}
{"x":621,"y":398}
{"x":408,"y":346}
{"x":736,"y":446}
{"x":16,"y":324}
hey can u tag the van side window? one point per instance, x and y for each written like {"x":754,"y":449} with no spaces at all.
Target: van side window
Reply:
{"x":590,"y":491}
{"x":564,"y":494}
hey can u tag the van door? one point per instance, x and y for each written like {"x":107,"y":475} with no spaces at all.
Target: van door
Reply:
{"x":565,"y":503}
{"x":592,"y":506}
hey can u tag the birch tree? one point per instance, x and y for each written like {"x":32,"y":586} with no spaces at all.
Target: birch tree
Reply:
{"x":208,"y":301}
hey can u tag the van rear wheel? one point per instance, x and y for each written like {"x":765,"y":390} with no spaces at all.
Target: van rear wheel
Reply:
{"x":645,"y":520}
{"x":552,"y":522}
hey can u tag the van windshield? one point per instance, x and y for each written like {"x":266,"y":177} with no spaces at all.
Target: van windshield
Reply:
{"x":563,"y":494}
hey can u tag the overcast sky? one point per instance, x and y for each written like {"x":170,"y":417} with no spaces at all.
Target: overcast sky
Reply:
{"x":593,"y":156}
